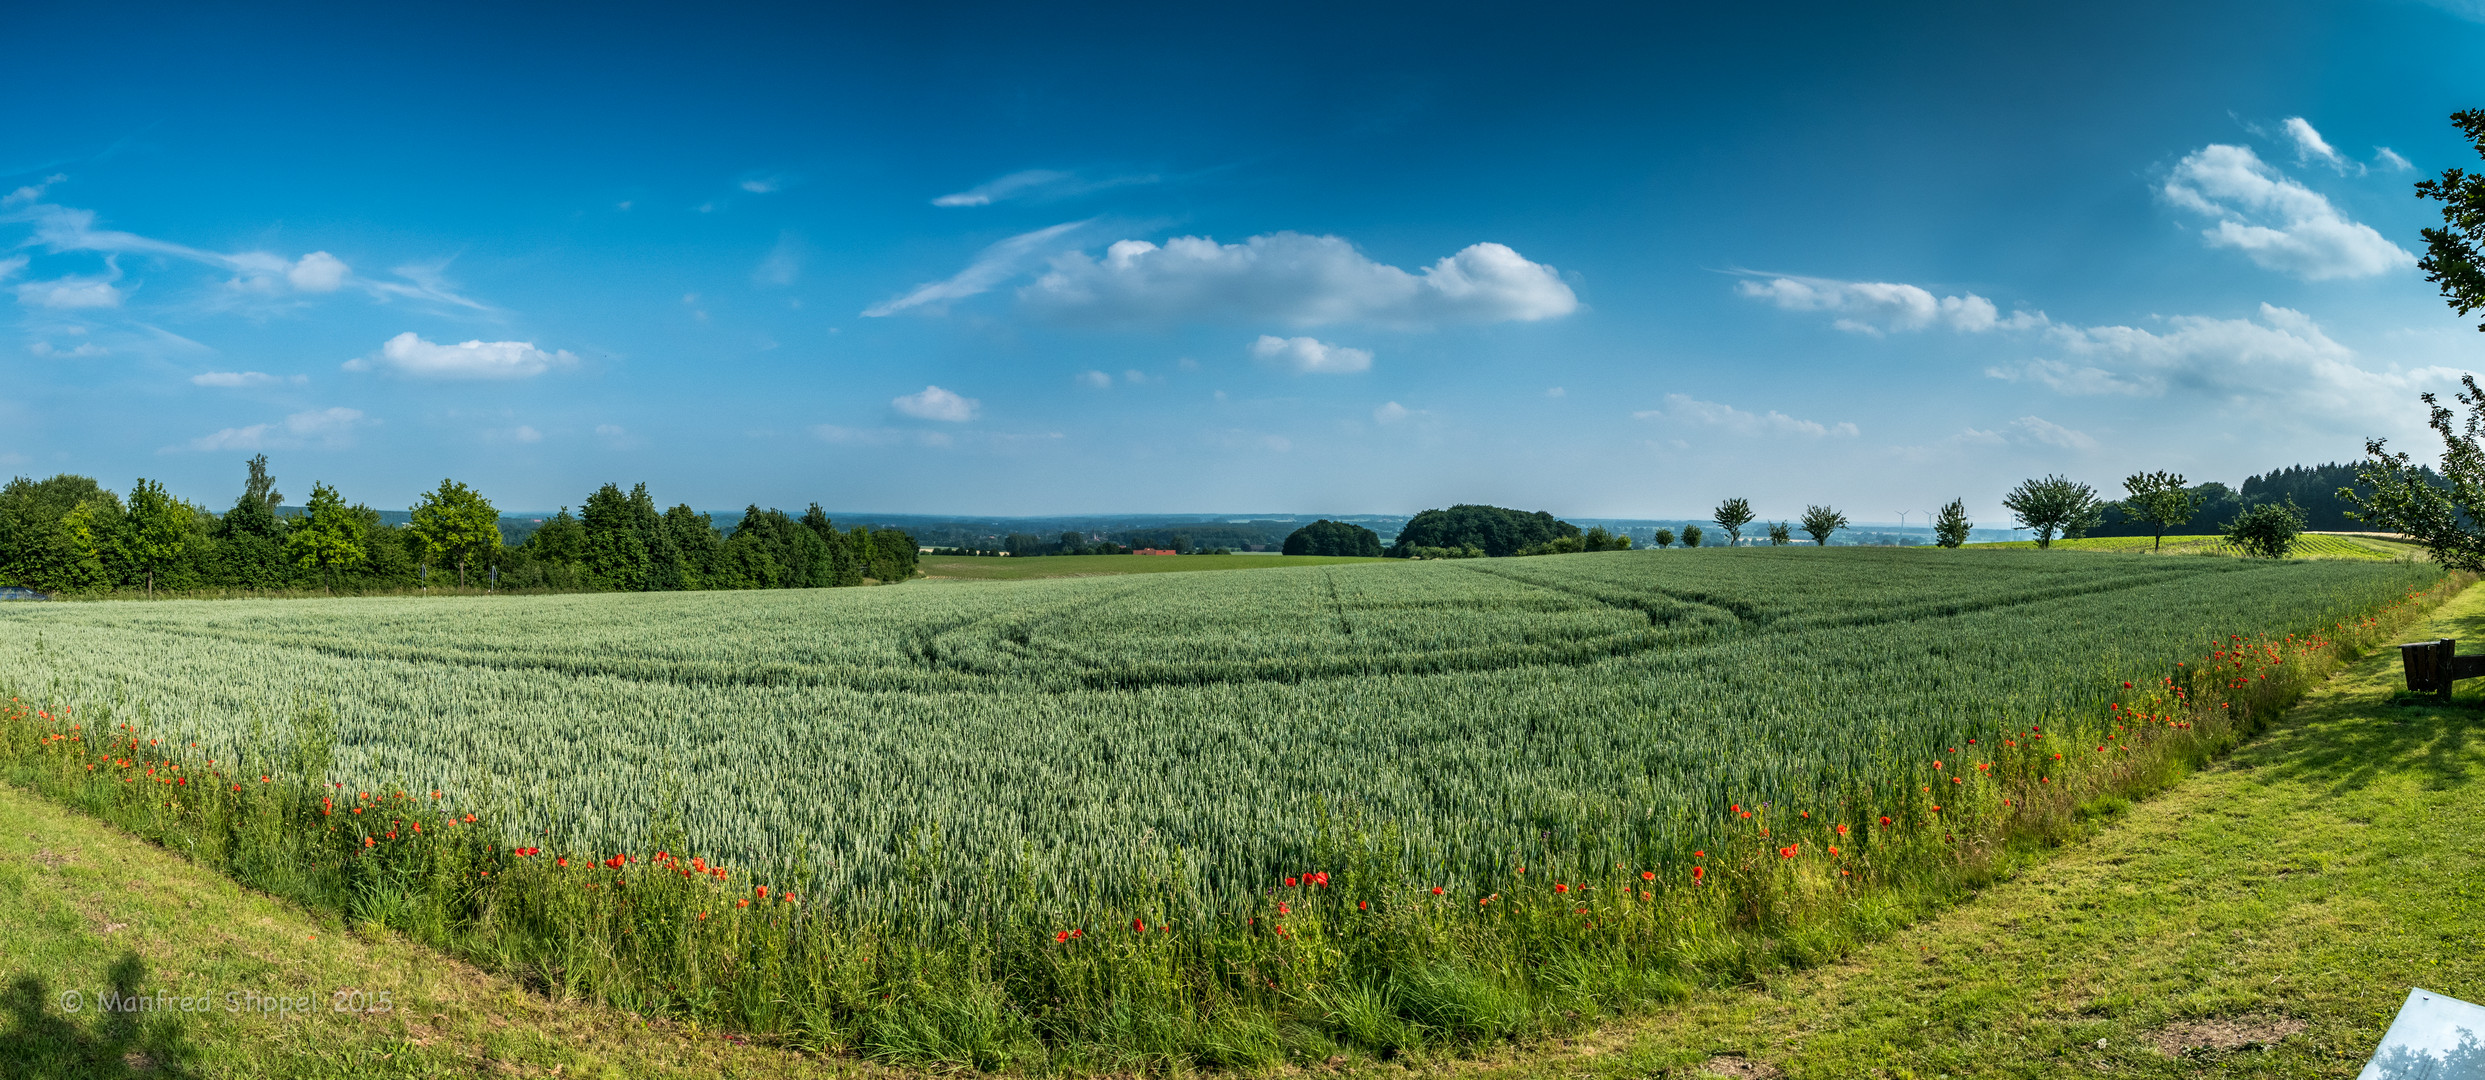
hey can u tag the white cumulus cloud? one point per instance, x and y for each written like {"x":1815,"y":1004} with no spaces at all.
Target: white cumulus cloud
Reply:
{"x":1875,"y":307}
{"x":2281,"y":365}
{"x":1293,"y":279}
{"x":1312,"y":355}
{"x":2273,"y":220}
{"x":1685,"y":409}
{"x":934,"y":403}
{"x":318,"y":272}
{"x":409,"y":354}
{"x":1096,"y":380}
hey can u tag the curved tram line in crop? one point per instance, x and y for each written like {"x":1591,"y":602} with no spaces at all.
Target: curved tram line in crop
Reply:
{"x":1074,"y":819}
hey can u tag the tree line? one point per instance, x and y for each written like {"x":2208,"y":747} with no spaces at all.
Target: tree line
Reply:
{"x":71,"y":535}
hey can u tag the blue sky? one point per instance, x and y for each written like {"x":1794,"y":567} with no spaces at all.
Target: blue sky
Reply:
{"x":1608,"y":261}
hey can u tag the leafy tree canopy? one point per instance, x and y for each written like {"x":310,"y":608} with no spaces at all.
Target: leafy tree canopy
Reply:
{"x":2267,"y":531}
{"x":1731,"y":515}
{"x":2053,"y":505}
{"x":1952,"y":527}
{"x":456,"y":526}
{"x":1497,"y":531}
{"x":2160,"y":500}
{"x":1821,"y":523}
{"x":1326,"y":537}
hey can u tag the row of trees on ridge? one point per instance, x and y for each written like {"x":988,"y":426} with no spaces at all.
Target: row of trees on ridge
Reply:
{"x":69,"y":534}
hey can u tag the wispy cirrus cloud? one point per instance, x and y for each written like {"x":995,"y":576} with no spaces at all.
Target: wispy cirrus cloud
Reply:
{"x":331,"y":427}
{"x":1039,"y":184}
{"x":60,"y":229}
{"x":81,"y":351}
{"x":2030,"y":430}
{"x":992,"y":266}
{"x":1683,"y":409}
{"x":75,"y":291}
{"x":239,"y":380}
{"x":783,"y":263}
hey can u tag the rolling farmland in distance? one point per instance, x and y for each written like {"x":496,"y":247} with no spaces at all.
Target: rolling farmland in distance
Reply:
{"x":1352,"y":803}
{"x":989,"y":568}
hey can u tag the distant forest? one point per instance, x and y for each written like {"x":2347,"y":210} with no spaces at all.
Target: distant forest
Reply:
{"x":70,"y":535}
{"x":2314,"y":488}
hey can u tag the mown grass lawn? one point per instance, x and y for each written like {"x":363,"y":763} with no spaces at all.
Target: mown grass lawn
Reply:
{"x":2264,"y":918}
{"x":86,"y":909}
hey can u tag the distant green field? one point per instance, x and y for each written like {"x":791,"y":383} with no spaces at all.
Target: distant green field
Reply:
{"x":987,"y":568}
{"x":2309,"y":546}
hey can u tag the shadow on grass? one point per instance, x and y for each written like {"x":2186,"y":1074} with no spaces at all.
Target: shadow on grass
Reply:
{"x":2348,"y":741}
{"x":44,"y":1040}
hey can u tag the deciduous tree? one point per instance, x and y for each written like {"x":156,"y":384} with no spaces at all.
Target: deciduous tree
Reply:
{"x":2267,"y":531}
{"x":2053,"y":505}
{"x":155,"y":533}
{"x":456,"y":526}
{"x":1731,"y":515}
{"x":2452,"y":260}
{"x":329,"y":537}
{"x":2160,"y":500}
{"x":1821,"y":522}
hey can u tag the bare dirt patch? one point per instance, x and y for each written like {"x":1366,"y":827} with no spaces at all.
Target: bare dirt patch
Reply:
{"x":2219,"y":1034}
{"x":1741,"y":1068}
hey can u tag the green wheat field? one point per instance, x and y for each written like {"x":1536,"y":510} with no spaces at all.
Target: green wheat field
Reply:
{"x":1264,"y":804}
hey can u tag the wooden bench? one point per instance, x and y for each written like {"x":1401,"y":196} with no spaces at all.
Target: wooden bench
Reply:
{"x":2432,"y":666}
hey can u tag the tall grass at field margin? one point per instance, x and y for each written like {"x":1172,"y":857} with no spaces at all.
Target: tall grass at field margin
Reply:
{"x":1351,"y":954}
